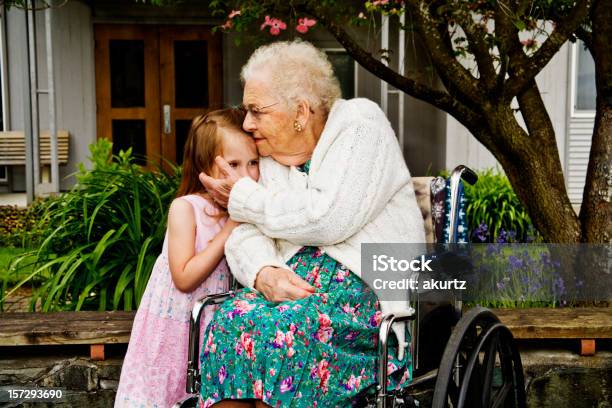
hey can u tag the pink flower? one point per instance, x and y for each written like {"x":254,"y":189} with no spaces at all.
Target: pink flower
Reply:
{"x":348,"y":309}
{"x":351,"y":336}
{"x":228,"y":25}
{"x":380,"y":2}
{"x":290,"y":352}
{"x":279,"y":341}
{"x":233,"y":14}
{"x":248,"y":344}
{"x":275,"y":25}
{"x":206,"y":404}
{"x":288,"y":338}
{"x":272,"y":372}
{"x":293,"y":328}
{"x":353,"y":383}
{"x":529,"y":43}
{"x":286,"y":384}
{"x":376,"y":319}
{"x":304,"y":24}
{"x":283,"y":308}
{"x":324,"y":320}
{"x":210,"y":347}
{"x":323,"y":374}
{"x":404,"y":380}
{"x":241,"y":307}
{"x":222,"y":374}
{"x":324,"y":334}
{"x":239,"y":393}
{"x":258,"y":389}
{"x":250,"y":295}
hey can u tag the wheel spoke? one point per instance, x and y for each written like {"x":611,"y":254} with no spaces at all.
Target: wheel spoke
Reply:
{"x":500,"y":396}
{"x":489,"y":366}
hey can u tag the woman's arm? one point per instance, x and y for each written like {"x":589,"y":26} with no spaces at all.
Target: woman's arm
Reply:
{"x":254,"y":261}
{"x":357,"y":177}
{"x":189,"y":270}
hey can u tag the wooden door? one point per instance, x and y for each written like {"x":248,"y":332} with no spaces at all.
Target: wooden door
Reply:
{"x":191,"y":83}
{"x":150,"y":82}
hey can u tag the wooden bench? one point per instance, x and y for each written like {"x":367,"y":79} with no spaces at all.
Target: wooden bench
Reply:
{"x":13,"y":151}
{"x":64,"y":328}
{"x":586,"y":324}
{"x":99,"y":328}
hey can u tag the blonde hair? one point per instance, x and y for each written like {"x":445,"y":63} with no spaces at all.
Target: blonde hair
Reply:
{"x":297,"y":70}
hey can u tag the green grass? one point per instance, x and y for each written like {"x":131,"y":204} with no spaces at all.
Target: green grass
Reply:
{"x":6,"y":256}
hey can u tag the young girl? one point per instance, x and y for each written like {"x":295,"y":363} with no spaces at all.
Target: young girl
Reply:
{"x":190,"y":266}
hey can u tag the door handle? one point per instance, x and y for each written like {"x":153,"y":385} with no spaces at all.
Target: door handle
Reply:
{"x":167,"y":126}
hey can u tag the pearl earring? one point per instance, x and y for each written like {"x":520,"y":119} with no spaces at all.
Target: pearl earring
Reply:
{"x":297,"y":126}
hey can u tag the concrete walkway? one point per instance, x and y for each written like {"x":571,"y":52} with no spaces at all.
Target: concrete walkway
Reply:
{"x":18,"y":199}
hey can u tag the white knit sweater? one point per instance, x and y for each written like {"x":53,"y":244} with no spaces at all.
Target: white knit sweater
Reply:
{"x":358,"y":190}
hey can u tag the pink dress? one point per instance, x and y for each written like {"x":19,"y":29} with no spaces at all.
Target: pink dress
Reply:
{"x":153,"y":373}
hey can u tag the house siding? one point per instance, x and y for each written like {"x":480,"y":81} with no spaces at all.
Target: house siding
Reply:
{"x":73,"y":48}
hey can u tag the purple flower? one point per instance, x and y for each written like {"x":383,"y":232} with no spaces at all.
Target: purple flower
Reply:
{"x":515,"y":263}
{"x":481,"y":233}
{"x":493,"y":249}
{"x":558,"y":286}
{"x":502,"y":237}
{"x":286,"y":384}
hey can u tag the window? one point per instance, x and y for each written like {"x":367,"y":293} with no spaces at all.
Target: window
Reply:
{"x":583,"y":77}
{"x":345,"y":69}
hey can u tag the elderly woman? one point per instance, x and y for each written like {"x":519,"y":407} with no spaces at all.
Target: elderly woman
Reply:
{"x":303,"y":331}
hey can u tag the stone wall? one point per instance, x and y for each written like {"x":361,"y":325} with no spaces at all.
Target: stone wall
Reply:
{"x":87,"y":383}
{"x":555,"y":378}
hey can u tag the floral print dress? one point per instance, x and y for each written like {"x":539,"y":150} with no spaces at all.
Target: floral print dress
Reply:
{"x":320,"y":351}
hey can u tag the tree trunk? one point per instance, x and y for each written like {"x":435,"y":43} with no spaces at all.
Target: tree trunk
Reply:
{"x":596,"y":211}
{"x":534,"y":171}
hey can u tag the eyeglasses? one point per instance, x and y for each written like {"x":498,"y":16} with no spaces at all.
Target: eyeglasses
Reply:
{"x":256,"y":111}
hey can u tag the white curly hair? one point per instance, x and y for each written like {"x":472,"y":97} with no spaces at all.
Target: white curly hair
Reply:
{"x":296,"y":70}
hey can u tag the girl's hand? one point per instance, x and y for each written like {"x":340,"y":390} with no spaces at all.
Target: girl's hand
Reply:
{"x":279,"y":284}
{"x":220,"y":189}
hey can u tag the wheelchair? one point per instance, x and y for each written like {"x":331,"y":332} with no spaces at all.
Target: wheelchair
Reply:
{"x":471,"y":358}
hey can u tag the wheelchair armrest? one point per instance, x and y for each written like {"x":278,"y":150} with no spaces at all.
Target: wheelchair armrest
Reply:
{"x":193,"y":362}
{"x":215,"y":299}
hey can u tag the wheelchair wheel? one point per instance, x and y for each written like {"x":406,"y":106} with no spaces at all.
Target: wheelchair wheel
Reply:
{"x":481,"y":366}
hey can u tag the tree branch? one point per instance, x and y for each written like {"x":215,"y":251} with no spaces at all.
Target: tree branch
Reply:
{"x":443,"y":57}
{"x":480,"y":49}
{"x":439,"y":99}
{"x":524,"y":69}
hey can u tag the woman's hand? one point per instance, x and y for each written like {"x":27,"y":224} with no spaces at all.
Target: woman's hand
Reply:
{"x":279,"y":284}
{"x":220,"y":189}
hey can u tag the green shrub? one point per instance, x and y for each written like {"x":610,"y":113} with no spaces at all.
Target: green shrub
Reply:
{"x":100,"y":240}
{"x":494,"y":212}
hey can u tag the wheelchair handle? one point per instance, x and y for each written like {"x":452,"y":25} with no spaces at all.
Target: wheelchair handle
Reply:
{"x":460,"y":172}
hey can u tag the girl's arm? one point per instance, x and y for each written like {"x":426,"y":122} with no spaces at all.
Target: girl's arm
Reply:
{"x":189,"y":270}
